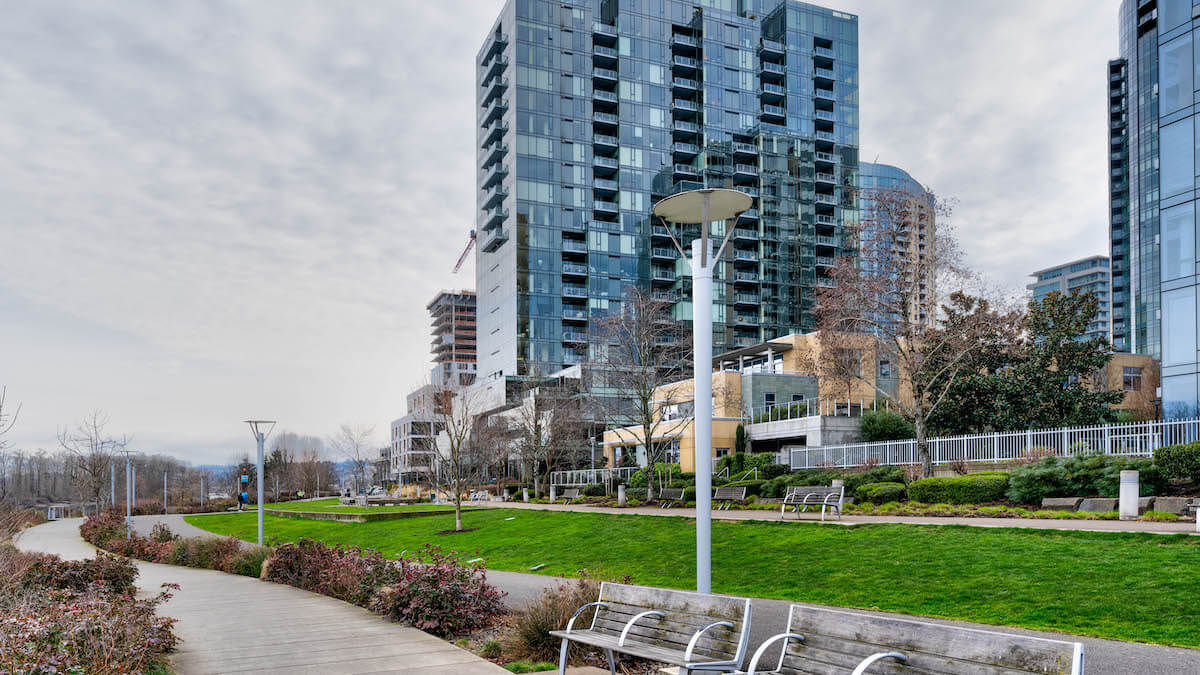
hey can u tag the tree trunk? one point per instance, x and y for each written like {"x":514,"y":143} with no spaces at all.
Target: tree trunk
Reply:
{"x":457,"y":510}
{"x":923,"y":447}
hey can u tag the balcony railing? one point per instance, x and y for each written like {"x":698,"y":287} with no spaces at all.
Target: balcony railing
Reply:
{"x":826,"y":220}
{"x":604,"y":73}
{"x":684,"y":83}
{"x":745,"y":148}
{"x":827,"y":240}
{"x":823,"y":93}
{"x":749,"y":169}
{"x":575,"y":314}
{"x":826,"y":178}
{"x":605,"y":184}
{"x":603,"y":205}
{"x":826,"y":73}
{"x":574,"y":246}
{"x":680,"y":125}
{"x":574,"y":291}
{"x":601,"y":50}
{"x":775,"y":68}
{"x":574,"y":268}
{"x":603,"y":139}
{"x":685,"y":40}
{"x":773,"y":89}
{"x":684,"y":104}
{"x":823,"y":51}
{"x":775,"y":110}
{"x":685,"y":61}
{"x":601,"y":95}
{"x":824,"y":135}
{"x":607,"y":162}
{"x":826,"y":157}
{"x":687,"y":169}
{"x":825,"y":115}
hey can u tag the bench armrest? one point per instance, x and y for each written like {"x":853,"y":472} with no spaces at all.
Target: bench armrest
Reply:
{"x":687,"y":654}
{"x":580,"y":611}
{"x":625,"y":631}
{"x":758,"y":653}
{"x":866,"y":663}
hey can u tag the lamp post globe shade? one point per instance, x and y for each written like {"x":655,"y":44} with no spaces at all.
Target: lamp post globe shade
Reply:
{"x":687,"y":207}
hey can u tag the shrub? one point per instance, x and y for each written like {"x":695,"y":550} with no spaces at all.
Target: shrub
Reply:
{"x":593,"y":490}
{"x":111,"y":573}
{"x":490,"y":650}
{"x":439,"y":596}
{"x":1031,"y":483}
{"x":969,"y":489}
{"x":879,"y":474}
{"x":881,"y":425}
{"x":100,"y":528}
{"x":773,"y":471}
{"x":248,"y":562}
{"x":1179,"y":461}
{"x":880,"y":493}
{"x":528,"y":634}
{"x":347,"y":573}
{"x":1086,"y":476}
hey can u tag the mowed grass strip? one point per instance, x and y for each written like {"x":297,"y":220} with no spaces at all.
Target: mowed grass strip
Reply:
{"x":1140,"y":587}
{"x":332,"y":505}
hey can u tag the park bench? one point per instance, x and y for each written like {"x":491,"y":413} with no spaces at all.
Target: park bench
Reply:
{"x":724,"y":497}
{"x":800,"y":497}
{"x":668,"y":497}
{"x":820,"y":640}
{"x":570,"y":495}
{"x":695,"y":631}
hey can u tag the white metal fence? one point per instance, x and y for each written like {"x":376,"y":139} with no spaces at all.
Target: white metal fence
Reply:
{"x":1135,"y":438}
{"x":591,"y":476}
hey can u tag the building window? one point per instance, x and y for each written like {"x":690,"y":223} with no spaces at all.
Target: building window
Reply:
{"x":721,"y":452}
{"x":1131,"y":378}
{"x":769,"y":400}
{"x":673,"y":452}
{"x":1176,"y":158}
{"x":1178,"y":241}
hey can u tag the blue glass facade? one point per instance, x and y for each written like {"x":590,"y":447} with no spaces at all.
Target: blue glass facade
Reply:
{"x":1154,"y":134}
{"x":1089,"y":275}
{"x":908,"y":246}
{"x":592,"y":110}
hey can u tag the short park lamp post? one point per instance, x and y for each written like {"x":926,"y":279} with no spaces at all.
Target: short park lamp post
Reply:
{"x":702,"y":207}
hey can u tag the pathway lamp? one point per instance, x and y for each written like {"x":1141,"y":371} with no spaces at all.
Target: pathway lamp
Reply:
{"x":703,"y":207}
{"x":261,"y":429}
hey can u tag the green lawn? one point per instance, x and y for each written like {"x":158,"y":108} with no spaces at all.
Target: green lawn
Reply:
{"x":1141,"y":587}
{"x":332,"y":505}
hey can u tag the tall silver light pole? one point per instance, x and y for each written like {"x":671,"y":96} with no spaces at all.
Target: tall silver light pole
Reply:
{"x":128,"y":492}
{"x":702,"y":207}
{"x":256,"y":428}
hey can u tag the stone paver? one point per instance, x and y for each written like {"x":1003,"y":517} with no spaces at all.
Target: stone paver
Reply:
{"x":1177,"y":527}
{"x":234,"y":624}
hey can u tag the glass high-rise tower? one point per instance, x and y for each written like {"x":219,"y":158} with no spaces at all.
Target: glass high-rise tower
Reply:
{"x":592,"y":110}
{"x":1154,"y":145}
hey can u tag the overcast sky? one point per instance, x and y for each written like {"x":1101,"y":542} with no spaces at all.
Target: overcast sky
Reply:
{"x":214,"y":211}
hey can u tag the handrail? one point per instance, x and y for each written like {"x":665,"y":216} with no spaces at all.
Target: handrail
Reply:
{"x":625,"y":631}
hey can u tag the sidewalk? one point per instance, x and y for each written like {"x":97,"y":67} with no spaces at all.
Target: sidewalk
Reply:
{"x":235,"y":624}
{"x":1186,"y":527}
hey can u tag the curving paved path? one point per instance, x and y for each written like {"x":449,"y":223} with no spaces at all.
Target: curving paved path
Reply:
{"x":234,"y":624}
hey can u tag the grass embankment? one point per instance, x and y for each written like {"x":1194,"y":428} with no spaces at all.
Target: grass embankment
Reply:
{"x":1141,"y":587}
{"x":333,"y":506}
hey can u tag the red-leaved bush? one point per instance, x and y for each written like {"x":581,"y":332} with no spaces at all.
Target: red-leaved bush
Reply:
{"x":438,"y":595}
{"x":227,"y":554}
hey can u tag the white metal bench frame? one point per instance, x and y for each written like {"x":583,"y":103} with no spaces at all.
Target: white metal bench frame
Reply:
{"x":666,"y":502}
{"x":800,"y":497}
{"x":570,"y":495}
{"x":723,"y":500}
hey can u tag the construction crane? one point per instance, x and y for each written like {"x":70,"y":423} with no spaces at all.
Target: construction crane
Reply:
{"x":462,"y":258}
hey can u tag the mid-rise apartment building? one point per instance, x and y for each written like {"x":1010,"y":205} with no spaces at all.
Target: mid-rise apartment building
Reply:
{"x":1153,"y":167}
{"x":590,"y":111}
{"x":452,"y":315}
{"x":1087,"y":275}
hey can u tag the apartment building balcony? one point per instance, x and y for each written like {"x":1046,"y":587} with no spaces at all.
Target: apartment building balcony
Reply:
{"x":605,"y":206}
{"x":604,"y":96}
{"x":771,"y":47}
{"x":684,"y":64}
{"x":826,"y":199}
{"x":826,"y":178}
{"x":495,"y":132}
{"x":823,"y":55}
{"x":828,"y":159}
{"x":745,"y":234}
{"x":660,"y":274}
{"x":573,"y":291}
{"x":574,"y":314}
{"x":495,"y":196}
{"x":745,"y":150}
{"x":684,"y":151}
{"x":572,"y":358}
{"x":750,"y":214}
{"x":684,"y":107}
{"x":823,"y":219}
{"x":603,"y":54}
{"x":604,"y":30}
{"x":574,"y":246}
{"x":495,"y":112}
{"x":747,"y":189}
{"x":606,"y":74}
{"x":772,"y":92}
{"x":604,"y":165}
{"x":745,"y":169}
{"x":823,"y":76}
{"x":497,"y":87}
{"x":824,"y":136}
{"x":494,"y":175}
{"x":495,"y":154}
{"x":823,"y":94}
{"x":825,"y":115}
{"x":827,"y":240}
{"x":682,"y":130}
{"x":685,"y":41}
{"x":604,"y":185}
{"x":606,"y":140}
{"x":660,"y":231}
{"x":745,"y":277}
{"x":686,"y":170}
{"x":745,"y":256}
{"x":824,"y":261}
{"x":745,"y":320}
{"x":494,"y":240}
{"x":495,"y":218}
{"x":825,"y":282}
{"x":773,"y":113}
{"x":498,"y":42}
{"x":574,"y":269}
{"x":495,"y":67}
{"x":684,"y":85}
{"x":605,"y":119}
{"x":574,"y":336}
{"x":663,"y":253}
{"x":773,"y":70}
{"x":745,"y":299}
{"x":666,"y":296}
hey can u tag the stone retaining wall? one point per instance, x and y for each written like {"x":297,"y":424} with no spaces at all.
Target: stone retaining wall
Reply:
{"x":360,"y":517}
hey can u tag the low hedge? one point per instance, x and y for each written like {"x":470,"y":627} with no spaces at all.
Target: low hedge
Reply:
{"x":968,"y":489}
{"x":1179,"y":461}
{"x":753,"y":486}
{"x":880,"y":493}
{"x":593,"y":490}
{"x":1084,"y":476}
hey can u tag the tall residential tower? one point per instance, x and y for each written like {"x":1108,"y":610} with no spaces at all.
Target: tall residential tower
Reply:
{"x":1153,"y":134}
{"x":590,"y":111}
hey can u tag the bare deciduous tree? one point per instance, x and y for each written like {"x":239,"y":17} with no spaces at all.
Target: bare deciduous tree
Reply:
{"x":889,"y":292}
{"x":91,"y":451}
{"x":637,"y":352}
{"x":461,"y":454}
{"x":550,"y":428}
{"x":355,"y":443}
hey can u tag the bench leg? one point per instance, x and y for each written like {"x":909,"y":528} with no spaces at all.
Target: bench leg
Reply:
{"x":612,"y":662}
{"x":562,"y":658}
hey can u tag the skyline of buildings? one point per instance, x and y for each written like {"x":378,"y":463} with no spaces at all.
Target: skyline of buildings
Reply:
{"x":1153,"y":155}
{"x":1086,"y":275}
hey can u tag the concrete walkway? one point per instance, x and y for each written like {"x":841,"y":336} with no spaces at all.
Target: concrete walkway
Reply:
{"x":235,"y":624}
{"x":1186,"y":527}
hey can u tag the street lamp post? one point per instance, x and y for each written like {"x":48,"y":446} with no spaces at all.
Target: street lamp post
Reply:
{"x":260,"y":436}
{"x":128,"y":493}
{"x":702,"y":207}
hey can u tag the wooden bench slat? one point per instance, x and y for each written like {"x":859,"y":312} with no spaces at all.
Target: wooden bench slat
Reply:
{"x":679,"y":602}
{"x":668,"y":638}
{"x":677,"y":616}
{"x":659,"y":654}
{"x":848,"y":653}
